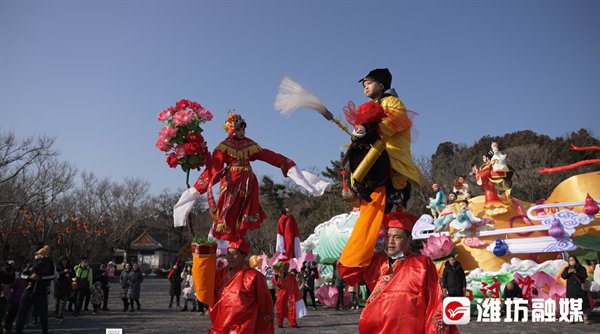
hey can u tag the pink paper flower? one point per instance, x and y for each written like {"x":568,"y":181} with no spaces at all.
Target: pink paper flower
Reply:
{"x":164,"y":115}
{"x":168,"y":132}
{"x":180,"y":150}
{"x":182,"y":118}
{"x":205,"y":115}
{"x":437,"y":247}
{"x":163,"y":144}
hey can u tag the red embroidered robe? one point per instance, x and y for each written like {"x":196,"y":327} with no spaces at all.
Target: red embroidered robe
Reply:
{"x":243,"y":303}
{"x":405,"y":298}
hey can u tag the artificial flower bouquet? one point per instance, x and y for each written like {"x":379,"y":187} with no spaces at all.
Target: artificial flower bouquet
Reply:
{"x":181,"y":137}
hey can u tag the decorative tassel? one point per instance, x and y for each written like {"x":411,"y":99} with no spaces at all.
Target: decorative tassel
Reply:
{"x":292,"y":96}
{"x":344,"y":183}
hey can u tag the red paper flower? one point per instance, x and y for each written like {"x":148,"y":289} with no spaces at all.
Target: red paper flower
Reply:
{"x":172,"y":160}
{"x":194,"y":137}
{"x":192,"y":148}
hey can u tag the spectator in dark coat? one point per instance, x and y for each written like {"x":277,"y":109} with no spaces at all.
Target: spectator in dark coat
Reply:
{"x":104,"y":280}
{"x":62,"y":288}
{"x":7,"y":276}
{"x":339,"y":284}
{"x":14,"y":297}
{"x":133,"y":292}
{"x":39,"y":277}
{"x":310,"y":273}
{"x":175,"y":285}
{"x":125,"y":280}
{"x":62,"y":265}
{"x":512,"y":290}
{"x":575,"y":274}
{"x":454,"y":281}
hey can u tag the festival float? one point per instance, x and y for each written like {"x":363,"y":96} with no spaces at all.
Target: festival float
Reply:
{"x":497,"y":237}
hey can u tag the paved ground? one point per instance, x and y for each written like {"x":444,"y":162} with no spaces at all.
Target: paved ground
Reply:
{"x":155,"y":317}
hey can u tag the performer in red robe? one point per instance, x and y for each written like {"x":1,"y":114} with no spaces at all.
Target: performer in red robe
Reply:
{"x":288,"y":240}
{"x":289,"y":303}
{"x":238,"y":208}
{"x":243,"y":302}
{"x":406,"y":294}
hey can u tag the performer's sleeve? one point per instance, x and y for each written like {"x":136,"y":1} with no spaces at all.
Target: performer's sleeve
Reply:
{"x":264,"y":322}
{"x":396,"y":119}
{"x":294,"y":225}
{"x":296,"y":237}
{"x":213,"y":165}
{"x":434,"y":322}
{"x":280,"y":243}
{"x":369,"y":274}
{"x":301,"y":310}
{"x":274,"y":159}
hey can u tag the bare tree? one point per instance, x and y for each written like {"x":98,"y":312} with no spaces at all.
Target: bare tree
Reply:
{"x":32,"y":182}
{"x":16,"y":156}
{"x":39,"y":193}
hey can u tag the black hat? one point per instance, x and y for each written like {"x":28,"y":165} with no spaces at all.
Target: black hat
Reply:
{"x":381,"y":75}
{"x":489,"y":154}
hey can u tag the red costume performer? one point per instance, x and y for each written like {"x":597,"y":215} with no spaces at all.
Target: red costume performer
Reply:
{"x":243,"y":302}
{"x":406,"y":297}
{"x":289,"y":303}
{"x":238,"y":208}
{"x":288,"y":240}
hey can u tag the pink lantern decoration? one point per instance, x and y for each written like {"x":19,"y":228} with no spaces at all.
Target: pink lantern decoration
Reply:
{"x":327,"y":295}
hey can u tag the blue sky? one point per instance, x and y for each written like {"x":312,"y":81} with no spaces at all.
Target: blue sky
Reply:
{"x":96,"y":73}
